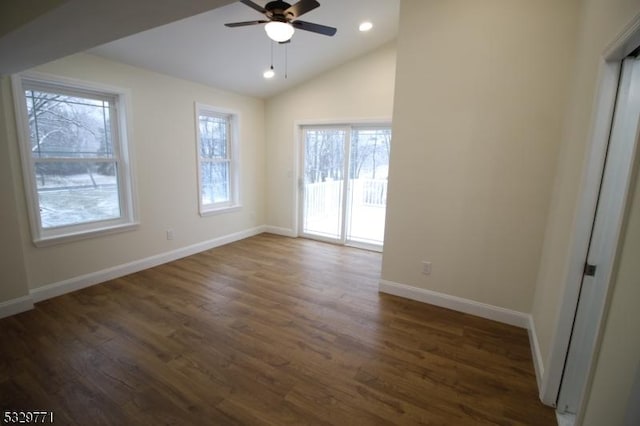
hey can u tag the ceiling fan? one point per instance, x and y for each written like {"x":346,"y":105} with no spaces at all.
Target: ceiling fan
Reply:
{"x":282,"y":19}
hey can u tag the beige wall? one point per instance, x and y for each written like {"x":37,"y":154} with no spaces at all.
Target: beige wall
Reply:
{"x":163,"y":142}
{"x":164,"y":156}
{"x":601,"y":22}
{"x":480,"y":92}
{"x":619,"y":356}
{"x":360,"y":89}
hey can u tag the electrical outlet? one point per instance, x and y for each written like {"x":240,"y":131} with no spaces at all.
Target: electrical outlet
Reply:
{"x":170,"y":234}
{"x":426,"y":267}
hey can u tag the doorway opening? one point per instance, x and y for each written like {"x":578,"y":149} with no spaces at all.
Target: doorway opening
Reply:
{"x":343,"y":183}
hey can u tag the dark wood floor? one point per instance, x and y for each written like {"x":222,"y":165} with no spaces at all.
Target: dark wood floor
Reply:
{"x":268,"y":330}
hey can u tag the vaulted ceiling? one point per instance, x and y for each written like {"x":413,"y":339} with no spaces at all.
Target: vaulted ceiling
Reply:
{"x":200,"y":48}
{"x":188,"y":39}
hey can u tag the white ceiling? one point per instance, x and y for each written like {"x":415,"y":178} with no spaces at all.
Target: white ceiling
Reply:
{"x":202,"y":49}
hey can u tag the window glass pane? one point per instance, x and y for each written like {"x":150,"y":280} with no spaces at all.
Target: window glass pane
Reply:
{"x":324,"y":154}
{"x":323,"y":181}
{"x":369,"y":168}
{"x":213,"y":137}
{"x":214,"y":182}
{"x":71,"y":193}
{"x":370,"y":149}
{"x":68,"y":126}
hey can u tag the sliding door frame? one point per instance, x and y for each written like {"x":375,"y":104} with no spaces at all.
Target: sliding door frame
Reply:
{"x":298,"y":174}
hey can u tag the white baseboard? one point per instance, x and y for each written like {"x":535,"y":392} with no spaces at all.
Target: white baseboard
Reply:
{"x":16,"y":306}
{"x":285,"y":232}
{"x":536,"y":354}
{"x":83,"y":281}
{"x":455,"y":303}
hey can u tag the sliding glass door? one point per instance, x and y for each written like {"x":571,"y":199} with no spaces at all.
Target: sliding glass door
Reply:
{"x":344,"y":183}
{"x":369,"y":168}
{"x":323,"y":190}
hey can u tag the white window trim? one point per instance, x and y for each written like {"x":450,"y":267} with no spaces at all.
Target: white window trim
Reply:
{"x":128,"y":196}
{"x":234,"y":170}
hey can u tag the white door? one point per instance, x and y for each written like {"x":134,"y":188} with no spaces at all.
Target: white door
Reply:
{"x":604,"y":238}
{"x":344,"y":183}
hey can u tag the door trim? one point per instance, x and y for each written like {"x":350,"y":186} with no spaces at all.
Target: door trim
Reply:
{"x":579,"y":245}
{"x":607,"y":228}
{"x":601,"y":122}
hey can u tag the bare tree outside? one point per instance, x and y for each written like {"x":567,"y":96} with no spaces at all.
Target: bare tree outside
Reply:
{"x":370,"y":150}
{"x":325,"y":153}
{"x":215,"y":159}
{"x":72,"y":150}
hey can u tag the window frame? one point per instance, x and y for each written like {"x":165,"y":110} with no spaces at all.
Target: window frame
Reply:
{"x":233,"y":118}
{"x":120,"y":128}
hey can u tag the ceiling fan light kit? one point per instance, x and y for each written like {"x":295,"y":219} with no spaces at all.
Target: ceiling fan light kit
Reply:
{"x":282,"y":19}
{"x":281,"y":22}
{"x":279,"y":31}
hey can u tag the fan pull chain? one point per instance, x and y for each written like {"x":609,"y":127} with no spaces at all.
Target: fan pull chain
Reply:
{"x":272,"y":54}
{"x":270,"y":73}
{"x":286,"y":60}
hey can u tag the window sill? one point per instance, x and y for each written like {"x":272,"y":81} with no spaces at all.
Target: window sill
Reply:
{"x":221,"y":210}
{"x":83,"y":235}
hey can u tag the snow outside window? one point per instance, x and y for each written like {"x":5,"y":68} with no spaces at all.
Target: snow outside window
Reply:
{"x":75,"y":159}
{"x":216,"y":160}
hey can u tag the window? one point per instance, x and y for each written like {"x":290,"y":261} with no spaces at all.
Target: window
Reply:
{"x":217,"y":174}
{"x":75,"y":159}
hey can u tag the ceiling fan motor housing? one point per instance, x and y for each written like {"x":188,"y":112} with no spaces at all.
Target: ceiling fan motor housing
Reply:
{"x":279,"y":11}
{"x":276,"y":11}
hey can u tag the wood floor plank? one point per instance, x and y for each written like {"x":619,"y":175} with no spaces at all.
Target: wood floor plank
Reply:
{"x":268,"y":330}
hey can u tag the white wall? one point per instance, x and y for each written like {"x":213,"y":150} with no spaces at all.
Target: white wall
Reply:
{"x":480,"y":92}
{"x":163,"y":142}
{"x":360,"y":89}
{"x":601,"y":23}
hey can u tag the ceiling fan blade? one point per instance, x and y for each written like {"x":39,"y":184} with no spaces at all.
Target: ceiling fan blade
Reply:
{"x":300,"y":8}
{"x":314,"y":28}
{"x":254,"y":6}
{"x":244,"y":24}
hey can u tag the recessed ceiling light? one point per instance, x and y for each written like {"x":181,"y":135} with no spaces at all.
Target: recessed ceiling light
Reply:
{"x":270,"y":73}
{"x":365,"y":26}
